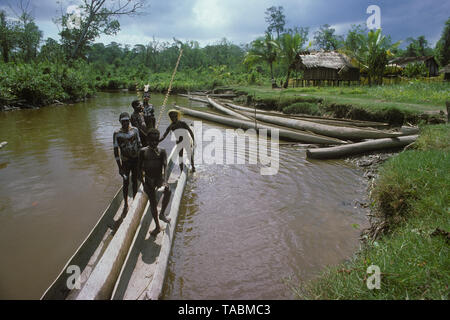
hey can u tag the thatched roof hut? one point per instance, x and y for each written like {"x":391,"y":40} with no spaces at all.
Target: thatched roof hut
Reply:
{"x":446,"y":71}
{"x":326,"y":65}
{"x":429,"y":61}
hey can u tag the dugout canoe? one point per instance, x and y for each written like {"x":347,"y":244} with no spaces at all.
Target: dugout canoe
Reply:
{"x":90,"y":250}
{"x":143,"y":273}
{"x":223,"y":95}
{"x":101,"y":255}
{"x":197,"y":99}
{"x":226,"y":110}
{"x":293,"y":135}
{"x":339,"y":132}
{"x":198,"y":93}
{"x":361,"y":147}
{"x":331,"y":121}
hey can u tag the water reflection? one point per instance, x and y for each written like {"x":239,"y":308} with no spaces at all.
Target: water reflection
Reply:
{"x":239,"y":233}
{"x":58,"y":174}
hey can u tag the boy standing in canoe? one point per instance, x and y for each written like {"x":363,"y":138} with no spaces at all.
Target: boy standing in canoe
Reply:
{"x":137,"y":121}
{"x":127,"y":140}
{"x":149,"y":112}
{"x":152,"y":162}
{"x":176,"y":124}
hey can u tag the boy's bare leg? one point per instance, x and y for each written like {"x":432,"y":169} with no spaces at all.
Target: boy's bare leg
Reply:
{"x":153,"y":207}
{"x":165,"y":202}
{"x":125,"y":196}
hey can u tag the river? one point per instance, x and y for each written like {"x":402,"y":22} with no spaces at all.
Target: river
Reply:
{"x":240,"y":235}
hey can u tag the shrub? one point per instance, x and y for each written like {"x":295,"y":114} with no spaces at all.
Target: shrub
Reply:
{"x":43,"y":83}
{"x":415,"y":70}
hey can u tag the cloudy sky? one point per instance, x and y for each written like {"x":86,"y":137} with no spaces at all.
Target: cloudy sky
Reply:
{"x":241,"y":21}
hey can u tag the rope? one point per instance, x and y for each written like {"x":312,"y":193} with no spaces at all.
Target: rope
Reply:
{"x":168,"y":91}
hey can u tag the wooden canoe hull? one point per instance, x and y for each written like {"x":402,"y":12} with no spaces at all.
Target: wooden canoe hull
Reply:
{"x":293,"y":135}
{"x":331,"y":121}
{"x":102,"y":250}
{"x":344,"y":133}
{"x":97,"y":239}
{"x":145,"y":266}
{"x":143,"y":273}
{"x":227,"y":110}
{"x":361,"y":147}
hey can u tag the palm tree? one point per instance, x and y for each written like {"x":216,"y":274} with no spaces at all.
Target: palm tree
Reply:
{"x":372,"y":54}
{"x":263,"y":50}
{"x":290,"y":46}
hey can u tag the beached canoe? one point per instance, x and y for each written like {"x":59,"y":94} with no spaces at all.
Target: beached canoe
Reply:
{"x":361,"y":147}
{"x":226,"y":110}
{"x":318,"y":119}
{"x":197,"y":99}
{"x":339,"y":132}
{"x":290,"y":134}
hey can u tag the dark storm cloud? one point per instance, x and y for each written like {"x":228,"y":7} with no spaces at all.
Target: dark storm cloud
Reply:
{"x":241,"y":21}
{"x":40,"y":9}
{"x":400,"y":19}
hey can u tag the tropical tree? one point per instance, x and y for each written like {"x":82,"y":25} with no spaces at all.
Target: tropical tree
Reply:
{"x":91,"y":19}
{"x":289,"y":47}
{"x":276,"y":20}
{"x":263,"y":50}
{"x":8,"y":36}
{"x":352,"y":40}
{"x":302,"y":31}
{"x":29,"y":40}
{"x":372,"y":52}
{"x":443,"y":45}
{"x":51,"y":51}
{"x":418,"y":47}
{"x":28,"y":34}
{"x":325,"y":38}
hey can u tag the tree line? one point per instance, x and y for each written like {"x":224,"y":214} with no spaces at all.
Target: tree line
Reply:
{"x":369,"y":49}
{"x":74,"y":66}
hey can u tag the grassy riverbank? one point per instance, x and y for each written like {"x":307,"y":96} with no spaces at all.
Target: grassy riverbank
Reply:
{"x":411,"y":202}
{"x":396,"y":104}
{"x":43,"y":83}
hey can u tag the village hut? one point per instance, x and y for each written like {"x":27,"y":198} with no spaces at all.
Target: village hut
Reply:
{"x":326,"y":67}
{"x":446,"y":71}
{"x":429,"y":61}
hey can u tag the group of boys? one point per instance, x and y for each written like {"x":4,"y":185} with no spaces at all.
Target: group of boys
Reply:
{"x":137,"y":140}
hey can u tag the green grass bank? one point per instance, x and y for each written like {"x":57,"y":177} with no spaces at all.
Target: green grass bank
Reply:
{"x":397,"y":104}
{"x":411,"y":205}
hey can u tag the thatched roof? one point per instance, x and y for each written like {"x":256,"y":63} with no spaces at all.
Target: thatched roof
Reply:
{"x":445,"y":69}
{"x":404,"y":61}
{"x":324,"y":59}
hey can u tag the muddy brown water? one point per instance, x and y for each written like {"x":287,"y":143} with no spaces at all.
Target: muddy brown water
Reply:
{"x":240,"y":235}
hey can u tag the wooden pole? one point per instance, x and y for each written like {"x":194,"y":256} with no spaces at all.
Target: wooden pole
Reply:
{"x":448,"y":111}
{"x":254,"y":105}
{"x":168,"y":90}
